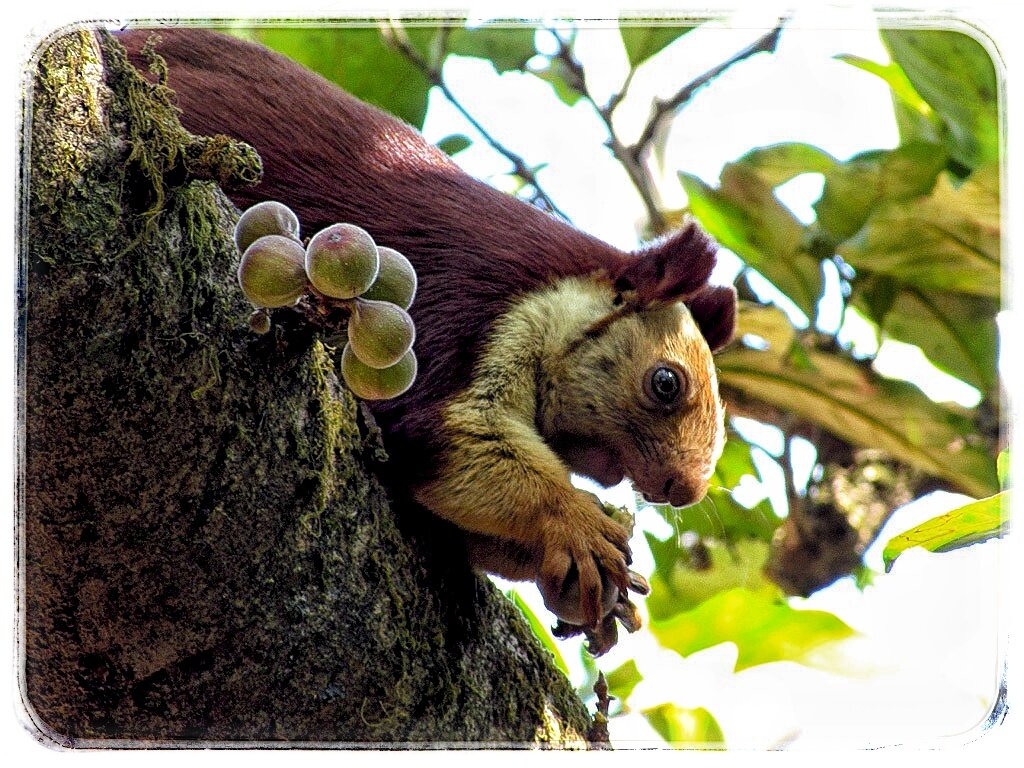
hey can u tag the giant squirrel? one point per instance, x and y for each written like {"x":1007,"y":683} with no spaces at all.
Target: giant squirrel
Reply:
{"x":542,"y":350}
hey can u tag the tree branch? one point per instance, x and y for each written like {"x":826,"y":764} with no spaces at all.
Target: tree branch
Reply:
{"x":208,"y":556}
{"x":664,"y":109}
{"x":638,"y":174}
{"x":633,"y":156}
{"x":395,"y":34}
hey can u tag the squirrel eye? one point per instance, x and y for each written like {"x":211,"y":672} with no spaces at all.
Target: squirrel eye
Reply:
{"x":665,"y":384}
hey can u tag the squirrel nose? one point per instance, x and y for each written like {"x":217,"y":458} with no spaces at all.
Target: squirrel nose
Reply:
{"x":682,"y":492}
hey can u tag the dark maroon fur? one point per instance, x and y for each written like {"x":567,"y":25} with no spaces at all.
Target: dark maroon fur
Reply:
{"x":670,"y":269}
{"x":333,"y":158}
{"x":714,"y":309}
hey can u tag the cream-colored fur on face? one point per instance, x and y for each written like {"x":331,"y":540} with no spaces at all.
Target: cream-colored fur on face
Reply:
{"x":536,"y":383}
{"x":596,"y":397}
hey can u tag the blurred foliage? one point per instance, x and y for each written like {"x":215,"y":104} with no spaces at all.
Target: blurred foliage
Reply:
{"x":763,"y":627}
{"x":623,"y":679}
{"x":686,"y":728}
{"x":360,"y":60}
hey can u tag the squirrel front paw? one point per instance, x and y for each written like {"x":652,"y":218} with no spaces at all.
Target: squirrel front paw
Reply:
{"x":601,"y":638}
{"x":584,"y":565}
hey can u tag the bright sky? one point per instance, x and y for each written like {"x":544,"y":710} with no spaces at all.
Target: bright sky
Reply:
{"x":924,"y":666}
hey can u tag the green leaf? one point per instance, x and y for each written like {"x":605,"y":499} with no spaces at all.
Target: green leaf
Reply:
{"x":540,"y":630}
{"x":957,"y":332}
{"x":764,"y":628}
{"x":744,"y":215}
{"x":585,"y":690}
{"x":766,"y":323}
{"x":854,"y":403}
{"x":956,"y":76}
{"x":896,"y":78}
{"x":779,"y":163}
{"x":720,"y":516}
{"x":946,"y":241}
{"x":623,"y":679}
{"x":684,"y":728}
{"x":1003,"y":467}
{"x":915,"y":118}
{"x":854,"y":189}
{"x":506,"y":47}
{"x":681,"y":583}
{"x":452,"y":145}
{"x":642,"y":40}
{"x":971,"y":524}
{"x":360,"y":61}
{"x":558,"y":76}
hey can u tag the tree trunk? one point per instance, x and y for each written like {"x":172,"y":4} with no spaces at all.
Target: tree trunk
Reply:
{"x":205,"y":553}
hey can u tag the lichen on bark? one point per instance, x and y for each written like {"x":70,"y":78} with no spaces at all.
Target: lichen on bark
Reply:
{"x":205,"y":553}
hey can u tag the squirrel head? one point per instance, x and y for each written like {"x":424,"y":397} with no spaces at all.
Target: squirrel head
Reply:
{"x":636,"y":394}
{"x":640,"y":400}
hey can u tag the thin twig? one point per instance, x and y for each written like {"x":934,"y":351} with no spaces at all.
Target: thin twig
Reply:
{"x":663,"y":109}
{"x":632,"y":157}
{"x":395,"y":34}
{"x":598,"y":736}
{"x":640,"y":177}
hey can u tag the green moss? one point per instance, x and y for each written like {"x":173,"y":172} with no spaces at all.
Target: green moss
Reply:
{"x":160,"y":148}
{"x":332,"y":417}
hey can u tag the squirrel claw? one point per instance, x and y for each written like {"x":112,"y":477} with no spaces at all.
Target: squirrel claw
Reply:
{"x":627,"y":614}
{"x":602,"y":637}
{"x":639,"y":584}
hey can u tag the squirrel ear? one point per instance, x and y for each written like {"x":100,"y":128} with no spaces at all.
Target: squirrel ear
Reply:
{"x":714,"y":311}
{"x":669,"y":269}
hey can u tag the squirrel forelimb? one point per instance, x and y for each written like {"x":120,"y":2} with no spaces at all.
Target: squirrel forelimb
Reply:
{"x":549,"y":397}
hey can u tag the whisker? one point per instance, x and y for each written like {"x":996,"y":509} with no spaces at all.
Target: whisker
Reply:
{"x":717,"y":516}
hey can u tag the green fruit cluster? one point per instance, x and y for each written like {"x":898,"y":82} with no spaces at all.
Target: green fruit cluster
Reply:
{"x":339,"y":265}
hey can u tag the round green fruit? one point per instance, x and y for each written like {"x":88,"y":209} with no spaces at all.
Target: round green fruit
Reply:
{"x":272,"y":272}
{"x":377,"y":383}
{"x":380,"y":332}
{"x":267,"y":218}
{"x":396,"y":280}
{"x":342,"y":261}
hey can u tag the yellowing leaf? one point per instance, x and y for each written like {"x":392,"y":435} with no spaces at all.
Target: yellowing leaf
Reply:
{"x":971,"y":524}
{"x":947,"y":241}
{"x":854,"y":403}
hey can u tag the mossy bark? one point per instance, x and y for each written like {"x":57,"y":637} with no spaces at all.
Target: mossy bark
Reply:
{"x":205,"y":553}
